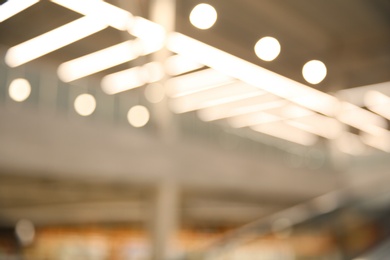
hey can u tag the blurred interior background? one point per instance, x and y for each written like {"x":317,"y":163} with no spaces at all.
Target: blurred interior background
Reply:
{"x":186,"y":129}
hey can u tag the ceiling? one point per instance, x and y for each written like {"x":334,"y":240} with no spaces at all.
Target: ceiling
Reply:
{"x":352,"y":37}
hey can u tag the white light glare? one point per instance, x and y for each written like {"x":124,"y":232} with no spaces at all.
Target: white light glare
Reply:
{"x":138,"y":116}
{"x":101,"y":11}
{"x":85,"y":104}
{"x":267,"y":48}
{"x":19,"y":89}
{"x":99,"y":61}
{"x":378,"y":103}
{"x":314,"y":71}
{"x":12,"y":7}
{"x":52,"y":40}
{"x":203,"y":16}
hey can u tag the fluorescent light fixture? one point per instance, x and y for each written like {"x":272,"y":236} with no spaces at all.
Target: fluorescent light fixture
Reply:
{"x":52,"y":40}
{"x":252,"y":74}
{"x":241,"y":107}
{"x":317,"y":124}
{"x":12,"y":7}
{"x":123,"y":80}
{"x":286,"y":132}
{"x":357,"y":95}
{"x":378,"y":103}
{"x":213,"y":97}
{"x":195,"y":82}
{"x":253,"y":119}
{"x":177,"y":64}
{"x":99,"y":61}
{"x":380,"y":142}
{"x":361,"y":119}
{"x":101,"y":11}
{"x":151,"y":34}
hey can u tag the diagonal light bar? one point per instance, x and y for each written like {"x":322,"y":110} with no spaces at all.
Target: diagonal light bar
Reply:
{"x":100,"y":10}
{"x":241,"y":107}
{"x":286,"y":132}
{"x":99,"y":61}
{"x":357,"y":95}
{"x":52,"y":40}
{"x":177,"y":64}
{"x":215,"y":96}
{"x":123,"y":80}
{"x":252,"y":74}
{"x":151,"y":34}
{"x":196,"y":82}
{"x":319,"y":125}
{"x":12,"y":7}
{"x":362,"y":119}
{"x":380,"y":140}
{"x":253,"y":119}
{"x":132,"y":78}
{"x":378,"y":103}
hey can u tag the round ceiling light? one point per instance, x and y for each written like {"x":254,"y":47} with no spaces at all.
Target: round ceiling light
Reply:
{"x":19,"y":89}
{"x":267,"y":48}
{"x":314,"y":71}
{"x":85,"y":104}
{"x":203,"y":16}
{"x":138,"y":116}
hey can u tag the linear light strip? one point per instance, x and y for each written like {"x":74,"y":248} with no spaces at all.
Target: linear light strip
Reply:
{"x":362,"y":119}
{"x":152,"y":34}
{"x":241,"y":107}
{"x":286,"y":132}
{"x":196,"y":82}
{"x":52,"y":40}
{"x":213,"y":97}
{"x":101,"y":11}
{"x":99,"y":61}
{"x":132,"y":78}
{"x":177,"y":64}
{"x":252,"y":74}
{"x":13,"y":7}
{"x":378,"y":103}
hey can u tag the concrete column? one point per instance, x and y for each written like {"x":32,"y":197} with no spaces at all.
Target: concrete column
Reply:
{"x":164,"y":220}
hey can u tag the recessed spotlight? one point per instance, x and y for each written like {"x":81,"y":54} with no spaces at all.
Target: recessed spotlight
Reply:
{"x":85,"y":104}
{"x":19,"y":89}
{"x":203,"y":16}
{"x":314,"y":71}
{"x":138,"y":116}
{"x":267,"y":48}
